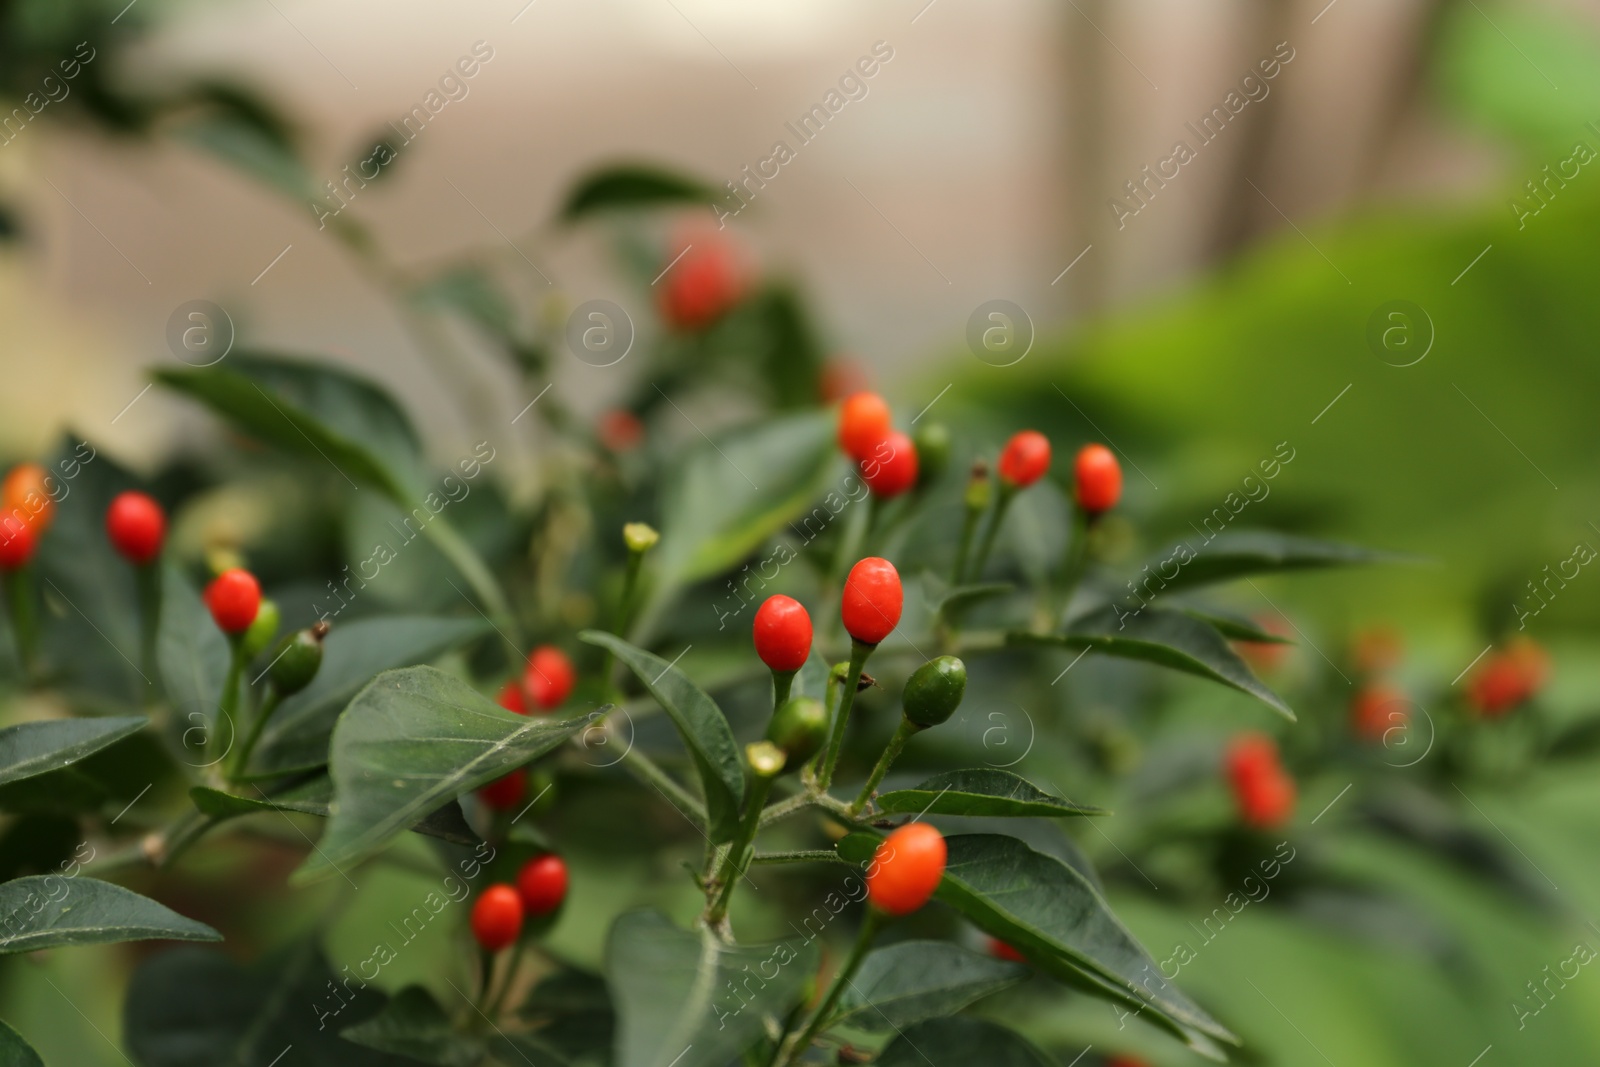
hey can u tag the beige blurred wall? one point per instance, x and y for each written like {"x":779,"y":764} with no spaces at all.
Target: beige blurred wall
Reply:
{"x":961,"y":176}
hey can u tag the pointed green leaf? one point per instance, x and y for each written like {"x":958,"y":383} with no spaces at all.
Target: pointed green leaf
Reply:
{"x":1050,"y":912}
{"x":1237,"y":554}
{"x":982,"y":791}
{"x":296,"y":738}
{"x":196,"y":1007}
{"x":632,"y":185}
{"x":15,"y":1052}
{"x":700,"y":723}
{"x":915,"y":980}
{"x":315,"y":410}
{"x":413,"y":1024}
{"x":684,"y":999}
{"x":1237,"y":627}
{"x":961,"y":1043}
{"x":727,"y":497}
{"x":32,"y":748}
{"x":409,"y":742}
{"x":1169,"y":638}
{"x":49,"y":911}
{"x":315,"y":797}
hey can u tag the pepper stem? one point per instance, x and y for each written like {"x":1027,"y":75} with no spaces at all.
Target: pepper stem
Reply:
{"x":19,"y":594}
{"x":782,"y":683}
{"x":241,"y":755}
{"x":796,"y":1045}
{"x":859,"y":651}
{"x":891,"y":752}
{"x":1001,"y":504}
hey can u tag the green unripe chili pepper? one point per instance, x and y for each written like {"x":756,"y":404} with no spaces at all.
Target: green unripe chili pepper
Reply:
{"x":934,"y":691}
{"x":262,"y":630}
{"x":800,"y":728}
{"x":297,"y":660}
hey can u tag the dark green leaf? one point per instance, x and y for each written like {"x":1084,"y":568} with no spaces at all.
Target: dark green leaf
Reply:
{"x":684,"y":998}
{"x":961,"y":1043}
{"x":915,"y":980}
{"x":982,"y":791}
{"x":195,"y":1007}
{"x":572,"y":1010}
{"x":15,"y":1052}
{"x":1236,"y":554}
{"x":315,"y":410}
{"x":193,"y":656}
{"x":726,"y":499}
{"x":700,"y":723}
{"x":297,"y":736}
{"x":1578,"y":741}
{"x":251,"y":150}
{"x":1169,"y":638}
{"x":49,"y":911}
{"x":314,"y":797}
{"x":1050,"y":912}
{"x":1237,"y":627}
{"x":415,"y":1026}
{"x":38,"y":747}
{"x":412,"y":740}
{"x":632,"y":185}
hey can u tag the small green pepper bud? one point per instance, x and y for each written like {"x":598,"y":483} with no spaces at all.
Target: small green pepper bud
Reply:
{"x":297,"y":660}
{"x":932,"y":441}
{"x":262,"y":630}
{"x":639,"y":536}
{"x":766,"y":759}
{"x":934,"y":691}
{"x":979,"y":488}
{"x":799,"y":728}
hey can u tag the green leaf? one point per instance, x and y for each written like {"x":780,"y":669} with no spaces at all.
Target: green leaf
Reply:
{"x":195,"y":1007}
{"x":700,"y":723}
{"x":1169,"y":638}
{"x":468,"y":290}
{"x":315,"y":410}
{"x":632,"y":185}
{"x":412,"y":740}
{"x":727,"y":497}
{"x":1050,"y":912}
{"x":414,"y":1025}
{"x":315,"y":797}
{"x":915,"y":980}
{"x":33,"y":748}
{"x":683,"y":998}
{"x":193,"y":657}
{"x":249,"y":149}
{"x":50,"y":911}
{"x":961,"y":1043}
{"x":1237,"y":627}
{"x":296,"y":737}
{"x":1238,"y":554}
{"x":15,"y":1052}
{"x":574,"y":1015}
{"x":982,"y":791}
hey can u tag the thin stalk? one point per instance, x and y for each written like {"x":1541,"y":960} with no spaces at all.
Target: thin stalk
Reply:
{"x":619,"y":626}
{"x":1001,"y":505}
{"x":1072,"y":566}
{"x":803,"y":855}
{"x":507,"y":979}
{"x":859,"y":651}
{"x":969,"y":526}
{"x":465,"y":559}
{"x":241,"y":755}
{"x":19,"y":594}
{"x":733,"y":865}
{"x":891,"y":752}
{"x":228,"y":706}
{"x":148,"y":578}
{"x":782,"y":683}
{"x":648,"y":771}
{"x":797,"y":1044}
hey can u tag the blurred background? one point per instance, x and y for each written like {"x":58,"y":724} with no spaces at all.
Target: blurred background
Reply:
{"x":1361,"y":231}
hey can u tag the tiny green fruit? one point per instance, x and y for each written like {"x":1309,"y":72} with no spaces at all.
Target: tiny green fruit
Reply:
{"x":934,"y":691}
{"x":297,"y":660}
{"x":932,"y":441}
{"x":261,"y":632}
{"x":800,"y":728}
